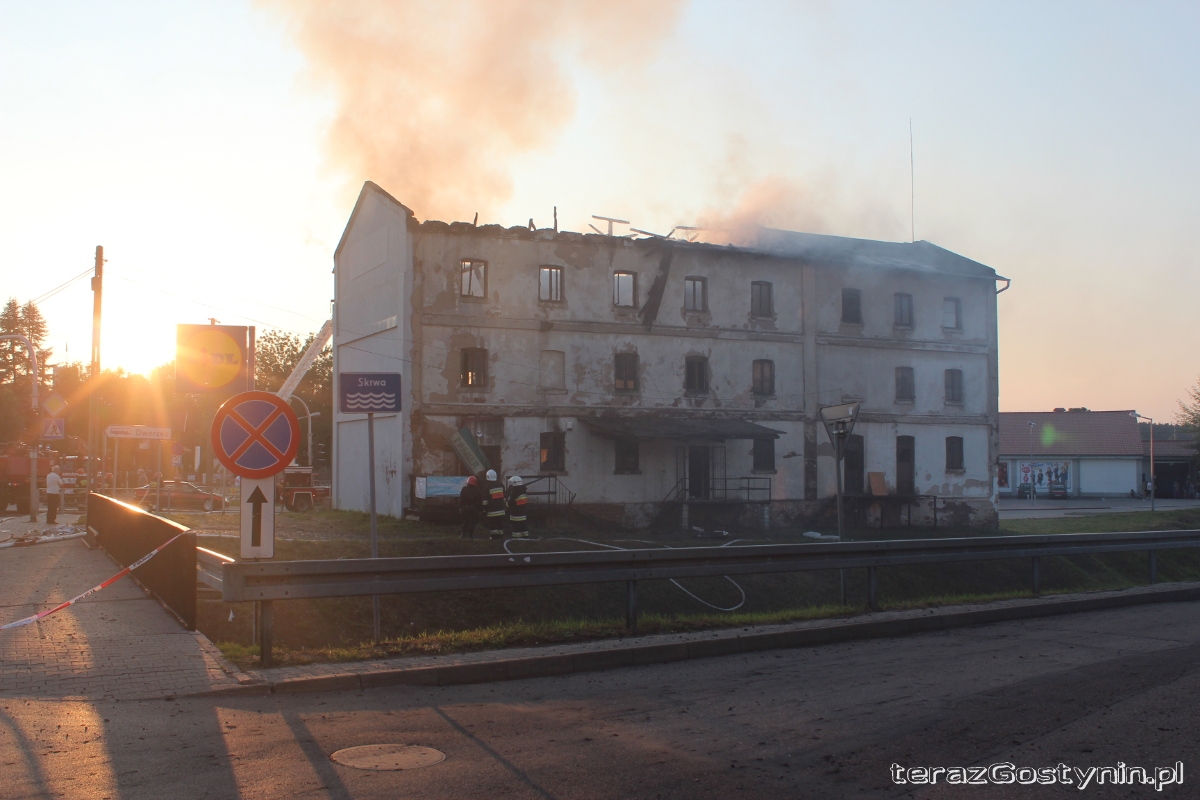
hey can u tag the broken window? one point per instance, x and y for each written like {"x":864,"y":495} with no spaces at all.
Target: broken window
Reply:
{"x":625,"y":372}
{"x":761,"y":304}
{"x":553,"y":370}
{"x":550,"y":284}
{"x":952,"y":314}
{"x":904,"y":311}
{"x":627,"y":457}
{"x":696,"y":374}
{"x":553,"y":452}
{"x":624,"y":289}
{"x":906,"y":390}
{"x":695,"y":294}
{"x":954,"y":453}
{"x":472,"y":278}
{"x":763,"y":377}
{"x":954,"y":386}
{"x":473,"y":371}
{"x":764,"y":455}
{"x":906,"y":465}
{"x":852,"y":307}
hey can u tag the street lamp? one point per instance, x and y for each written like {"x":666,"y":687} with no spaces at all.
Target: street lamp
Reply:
{"x":839,"y":422}
{"x":308,"y":415}
{"x":1153,"y":483}
{"x":1032,"y":483}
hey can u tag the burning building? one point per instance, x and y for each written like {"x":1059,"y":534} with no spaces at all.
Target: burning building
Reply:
{"x":651,"y":379}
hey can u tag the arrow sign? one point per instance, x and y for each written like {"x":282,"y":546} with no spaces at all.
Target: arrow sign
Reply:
{"x":256,"y":499}
{"x":258,"y":518}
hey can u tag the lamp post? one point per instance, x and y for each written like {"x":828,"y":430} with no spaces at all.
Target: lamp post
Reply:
{"x":839,"y":422}
{"x":1153,"y":483}
{"x":1032,"y":484}
{"x":308,"y":415}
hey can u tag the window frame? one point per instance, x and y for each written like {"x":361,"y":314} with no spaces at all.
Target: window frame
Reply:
{"x":957,"y":306}
{"x":627,"y":457}
{"x":636,"y":366}
{"x":762,"y":453}
{"x":906,"y":378}
{"x":616,"y":289}
{"x":955,"y":453}
{"x":954,"y":387}
{"x":696,"y":366}
{"x":467,"y":267}
{"x":467,"y":354}
{"x":552,"y":452}
{"x":555,"y":283}
{"x":902,"y":304}
{"x":760,"y":384}
{"x":559,"y":375}
{"x":855,"y":295}
{"x":759,"y":289}
{"x":690,"y":282}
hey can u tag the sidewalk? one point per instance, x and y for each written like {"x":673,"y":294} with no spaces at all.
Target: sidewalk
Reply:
{"x":117,"y":644}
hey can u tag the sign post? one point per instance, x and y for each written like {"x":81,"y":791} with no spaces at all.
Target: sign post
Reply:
{"x":839,"y":423}
{"x":370,"y":393}
{"x":255,"y":435}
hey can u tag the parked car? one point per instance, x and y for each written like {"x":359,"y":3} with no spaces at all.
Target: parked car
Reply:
{"x":178,"y":495}
{"x":1058,"y":490}
{"x":1024,"y":491}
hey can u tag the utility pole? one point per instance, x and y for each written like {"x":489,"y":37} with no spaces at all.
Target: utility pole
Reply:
{"x":93,"y":438}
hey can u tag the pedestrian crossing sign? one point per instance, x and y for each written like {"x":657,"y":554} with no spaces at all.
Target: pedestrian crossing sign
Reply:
{"x":54,"y":428}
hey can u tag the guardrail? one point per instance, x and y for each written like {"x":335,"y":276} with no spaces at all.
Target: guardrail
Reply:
{"x":265,"y":581}
{"x":127,"y":533}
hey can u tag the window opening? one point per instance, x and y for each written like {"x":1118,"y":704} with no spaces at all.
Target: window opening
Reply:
{"x":472,"y":278}
{"x":550,"y":284}
{"x":763,"y":377}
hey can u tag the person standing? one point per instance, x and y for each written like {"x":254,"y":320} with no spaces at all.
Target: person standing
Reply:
{"x":517,"y":500}
{"x":495,"y":505}
{"x":53,"y":494}
{"x":470,"y":506}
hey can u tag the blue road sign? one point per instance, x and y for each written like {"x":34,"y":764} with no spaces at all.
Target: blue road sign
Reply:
{"x":369,"y":392}
{"x":54,"y":428}
{"x":255,"y":434}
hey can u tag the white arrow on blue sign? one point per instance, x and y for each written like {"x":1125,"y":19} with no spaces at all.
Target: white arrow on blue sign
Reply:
{"x":369,"y":392}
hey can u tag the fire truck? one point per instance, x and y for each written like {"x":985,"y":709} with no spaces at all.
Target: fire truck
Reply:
{"x":14,"y":475}
{"x":296,"y":490}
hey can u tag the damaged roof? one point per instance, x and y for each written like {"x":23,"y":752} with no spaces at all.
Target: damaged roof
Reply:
{"x":1070,"y":433}
{"x":676,"y":428}
{"x":868,"y":253}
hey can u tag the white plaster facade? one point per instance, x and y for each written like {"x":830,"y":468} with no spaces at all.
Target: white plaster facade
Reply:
{"x":550,"y":363}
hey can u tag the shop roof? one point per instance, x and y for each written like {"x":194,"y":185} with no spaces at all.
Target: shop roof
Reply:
{"x":1070,"y":433}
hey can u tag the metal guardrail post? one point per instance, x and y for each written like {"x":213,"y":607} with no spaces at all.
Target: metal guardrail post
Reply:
{"x":266,"y":631}
{"x":1153,"y":566}
{"x":872,"y":589}
{"x":631,"y":606}
{"x":1037,"y":575}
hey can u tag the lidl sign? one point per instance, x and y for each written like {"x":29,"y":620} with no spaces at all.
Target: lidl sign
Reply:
{"x":213,"y":359}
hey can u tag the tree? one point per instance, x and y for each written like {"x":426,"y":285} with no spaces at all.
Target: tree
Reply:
{"x":276,"y":354}
{"x":28,"y":321}
{"x":1189,"y":413}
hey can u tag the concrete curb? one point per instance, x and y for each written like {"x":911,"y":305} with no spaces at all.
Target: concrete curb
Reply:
{"x":501,"y":668}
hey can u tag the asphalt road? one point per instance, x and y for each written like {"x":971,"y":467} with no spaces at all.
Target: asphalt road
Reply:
{"x":1088,"y":690}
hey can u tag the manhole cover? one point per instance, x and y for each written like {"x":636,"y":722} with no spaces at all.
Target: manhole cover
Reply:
{"x":389,"y":756}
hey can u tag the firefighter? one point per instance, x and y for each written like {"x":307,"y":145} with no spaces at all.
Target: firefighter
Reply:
{"x":517,"y":501}
{"x":470,"y":506}
{"x":495,"y":504}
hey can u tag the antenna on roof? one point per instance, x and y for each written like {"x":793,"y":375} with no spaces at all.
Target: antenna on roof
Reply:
{"x":609,"y":220}
{"x":912,"y":191}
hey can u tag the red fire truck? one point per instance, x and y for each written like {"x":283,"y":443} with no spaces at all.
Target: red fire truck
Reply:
{"x":296,"y":490}
{"x":14,"y":475}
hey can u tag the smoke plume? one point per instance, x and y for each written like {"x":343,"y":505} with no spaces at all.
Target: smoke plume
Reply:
{"x":436,"y":99}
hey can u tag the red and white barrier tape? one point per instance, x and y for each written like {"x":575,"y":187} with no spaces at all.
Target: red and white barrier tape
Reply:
{"x":43,"y":614}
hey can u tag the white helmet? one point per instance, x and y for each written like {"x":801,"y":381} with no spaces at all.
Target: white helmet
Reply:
{"x":515,"y":480}
{"x":491,"y":475}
